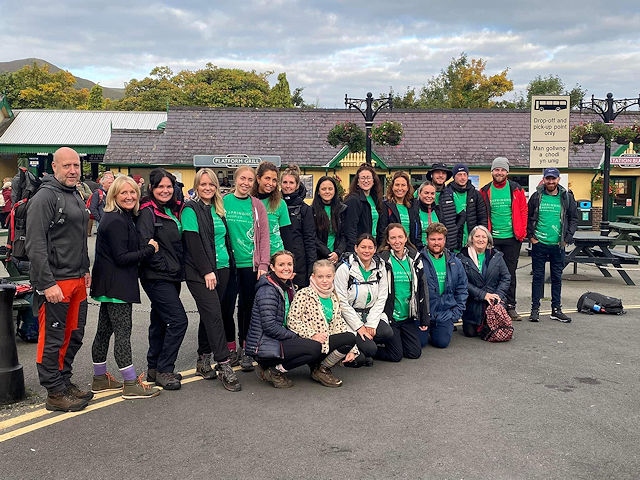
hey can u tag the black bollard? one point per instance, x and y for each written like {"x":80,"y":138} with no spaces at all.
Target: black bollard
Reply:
{"x":11,"y":374}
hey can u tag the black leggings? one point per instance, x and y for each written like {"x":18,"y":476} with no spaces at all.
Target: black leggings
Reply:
{"x":297,"y":351}
{"x":113,"y":319}
{"x":241,"y":286}
{"x":342,"y":342}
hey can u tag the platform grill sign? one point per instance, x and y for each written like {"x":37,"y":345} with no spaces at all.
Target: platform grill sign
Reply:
{"x":549,"y":131}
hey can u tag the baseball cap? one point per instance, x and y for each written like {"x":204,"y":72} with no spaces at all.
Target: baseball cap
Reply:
{"x":551,"y":172}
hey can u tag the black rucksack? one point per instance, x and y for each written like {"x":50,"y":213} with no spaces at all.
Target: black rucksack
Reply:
{"x":25,"y":185}
{"x":592,"y":302}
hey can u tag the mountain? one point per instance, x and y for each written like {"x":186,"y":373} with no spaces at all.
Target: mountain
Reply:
{"x":14,"y":65}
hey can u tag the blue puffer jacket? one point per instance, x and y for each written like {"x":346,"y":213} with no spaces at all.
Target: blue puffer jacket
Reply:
{"x":449,"y":306}
{"x":266,"y":330}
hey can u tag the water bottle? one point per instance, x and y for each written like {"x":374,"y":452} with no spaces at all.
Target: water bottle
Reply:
{"x":597,"y":308}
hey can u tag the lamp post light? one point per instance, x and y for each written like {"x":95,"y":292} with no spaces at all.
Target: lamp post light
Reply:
{"x":371,"y":109}
{"x":608,"y":109}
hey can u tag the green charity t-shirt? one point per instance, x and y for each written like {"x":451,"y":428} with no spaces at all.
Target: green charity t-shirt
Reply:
{"x":327,"y":308}
{"x":549,"y":227}
{"x":331,"y":239}
{"x":460,"y":201}
{"x":277,"y":219}
{"x":402,"y":285}
{"x":481,"y":257}
{"x":501,"y":221}
{"x":403,"y":212}
{"x":240,"y":220}
{"x":374,"y":216}
{"x":425,"y":221}
{"x":190,"y":224}
{"x":440,"y":266}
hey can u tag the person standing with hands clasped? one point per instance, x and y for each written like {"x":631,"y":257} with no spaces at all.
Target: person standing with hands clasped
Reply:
{"x":552,"y":222}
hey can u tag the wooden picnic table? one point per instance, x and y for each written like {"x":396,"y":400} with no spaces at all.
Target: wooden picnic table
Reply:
{"x":596,"y":249}
{"x":632,"y":219}
{"x":628,"y":235}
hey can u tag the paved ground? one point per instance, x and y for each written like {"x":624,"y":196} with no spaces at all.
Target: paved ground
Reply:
{"x":559,"y":401}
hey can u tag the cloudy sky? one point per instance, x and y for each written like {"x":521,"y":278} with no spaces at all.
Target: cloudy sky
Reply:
{"x":334,"y":47}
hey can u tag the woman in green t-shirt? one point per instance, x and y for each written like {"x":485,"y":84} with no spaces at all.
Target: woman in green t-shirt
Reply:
{"x":328,"y":213}
{"x":266,"y":189}
{"x":399,"y":205}
{"x":427,"y":210}
{"x":207,"y":269}
{"x":407,"y":306}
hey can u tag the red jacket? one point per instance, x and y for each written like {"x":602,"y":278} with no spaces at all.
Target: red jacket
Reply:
{"x":6,"y":193}
{"x":518,"y":208}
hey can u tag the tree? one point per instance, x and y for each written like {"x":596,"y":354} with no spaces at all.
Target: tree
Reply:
{"x":463,"y":84}
{"x":549,"y":85}
{"x":96,"y":100}
{"x":280,"y":94}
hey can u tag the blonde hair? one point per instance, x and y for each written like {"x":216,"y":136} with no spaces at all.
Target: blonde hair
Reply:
{"x":217,"y":198}
{"x":120,"y":181}
{"x":292,"y":170}
{"x":242,"y":169}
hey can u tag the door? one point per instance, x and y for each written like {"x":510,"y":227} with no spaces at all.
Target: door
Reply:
{"x":622,"y":199}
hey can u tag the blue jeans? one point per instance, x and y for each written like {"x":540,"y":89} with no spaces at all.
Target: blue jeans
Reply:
{"x":540,"y":254}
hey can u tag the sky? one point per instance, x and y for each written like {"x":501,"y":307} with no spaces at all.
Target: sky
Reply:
{"x":332,"y":48}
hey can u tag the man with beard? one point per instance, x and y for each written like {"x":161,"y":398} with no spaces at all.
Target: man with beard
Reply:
{"x":447,"y":284}
{"x":552,"y":221}
{"x":462,"y":208}
{"x":507,"y":217}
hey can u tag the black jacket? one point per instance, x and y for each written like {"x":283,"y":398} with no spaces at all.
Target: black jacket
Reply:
{"x":322,"y":236}
{"x":474,"y":214}
{"x":300,"y":237}
{"x":168,"y":262}
{"x":199,"y":252}
{"x":358,"y":220}
{"x":118,"y":253}
{"x":495,"y":278}
{"x":414,"y":219}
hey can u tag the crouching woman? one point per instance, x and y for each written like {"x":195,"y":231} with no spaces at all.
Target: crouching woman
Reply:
{"x":275,"y":347}
{"x":315,"y":314}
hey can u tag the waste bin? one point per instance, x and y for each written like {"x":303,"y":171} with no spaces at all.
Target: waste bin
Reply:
{"x":584,"y":215}
{"x":11,"y":374}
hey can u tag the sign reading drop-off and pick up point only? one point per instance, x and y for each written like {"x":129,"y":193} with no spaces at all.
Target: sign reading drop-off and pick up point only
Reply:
{"x":549,"y":131}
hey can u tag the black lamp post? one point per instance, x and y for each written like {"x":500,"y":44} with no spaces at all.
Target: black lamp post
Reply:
{"x":608,"y":109}
{"x":373,"y":106}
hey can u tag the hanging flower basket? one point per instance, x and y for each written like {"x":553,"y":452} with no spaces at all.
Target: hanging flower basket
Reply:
{"x":590,"y":138}
{"x":590,"y":132}
{"x":347,"y":134}
{"x":387,"y":133}
{"x":624,"y":135}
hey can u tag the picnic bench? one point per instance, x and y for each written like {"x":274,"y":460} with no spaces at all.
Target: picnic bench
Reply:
{"x":628,"y":235}
{"x":632,"y":219}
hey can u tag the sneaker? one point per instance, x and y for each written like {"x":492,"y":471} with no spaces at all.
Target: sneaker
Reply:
{"x":514,"y":315}
{"x":203,"y":367}
{"x":102,"y":383}
{"x":556,"y":314}
{"x":64,"y":402}
{"x":324,"y":376}
{"x":134,"y":389}
{"x":234,"y":358}
{"x":74,"y":391}
{"x":228,"y":377}
{"x":151,"y":375}
{"x":278,"y":379}
{"x":167,"y":380}
{"x":246,"y":363}
{"x":534,"y":316}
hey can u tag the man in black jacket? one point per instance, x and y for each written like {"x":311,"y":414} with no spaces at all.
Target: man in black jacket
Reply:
{"x":57,"y":247}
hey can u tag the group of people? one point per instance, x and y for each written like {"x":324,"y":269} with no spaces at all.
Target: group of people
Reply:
{"x":334,"y":282}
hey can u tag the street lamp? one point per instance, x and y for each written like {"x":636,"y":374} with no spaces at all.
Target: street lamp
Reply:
{"x":369,"y":113}
{"x":608,"y":109}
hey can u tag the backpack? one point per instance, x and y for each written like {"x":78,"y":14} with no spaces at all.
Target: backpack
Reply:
{"x":100,"y":200}
{"x":26,"y":187}
{"x":351,"y":280}
{"x":498,"y":326}
{"x":592,"y":302}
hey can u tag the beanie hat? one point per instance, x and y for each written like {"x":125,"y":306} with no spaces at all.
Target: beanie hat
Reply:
{"x":460,"y":167}
{"x":500,"y":162}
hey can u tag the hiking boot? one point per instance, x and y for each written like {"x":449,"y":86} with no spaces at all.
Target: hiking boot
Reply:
{"x":534,"y":316}
{"x":74,"y":391}
{"x":246,"y":363}
{"x":368,"y":362}
{"x":277,"y":378}
{"x":134,"y":389}
{"x":151,"y":375}
{"x":228,"y":377}
{"x":203,"y":367}
{"x":64,"y":402}
{"x":234,"y":358}
{"x":102,"y":383}
{"x":262,"y":373}
{"x":167,"y":380}
{"x":514,"y":315}
{"x":324,"y":376}
{"x":556,"y":314}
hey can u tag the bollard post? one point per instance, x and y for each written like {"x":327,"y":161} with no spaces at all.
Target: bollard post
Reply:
{"x":11,"y":373}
